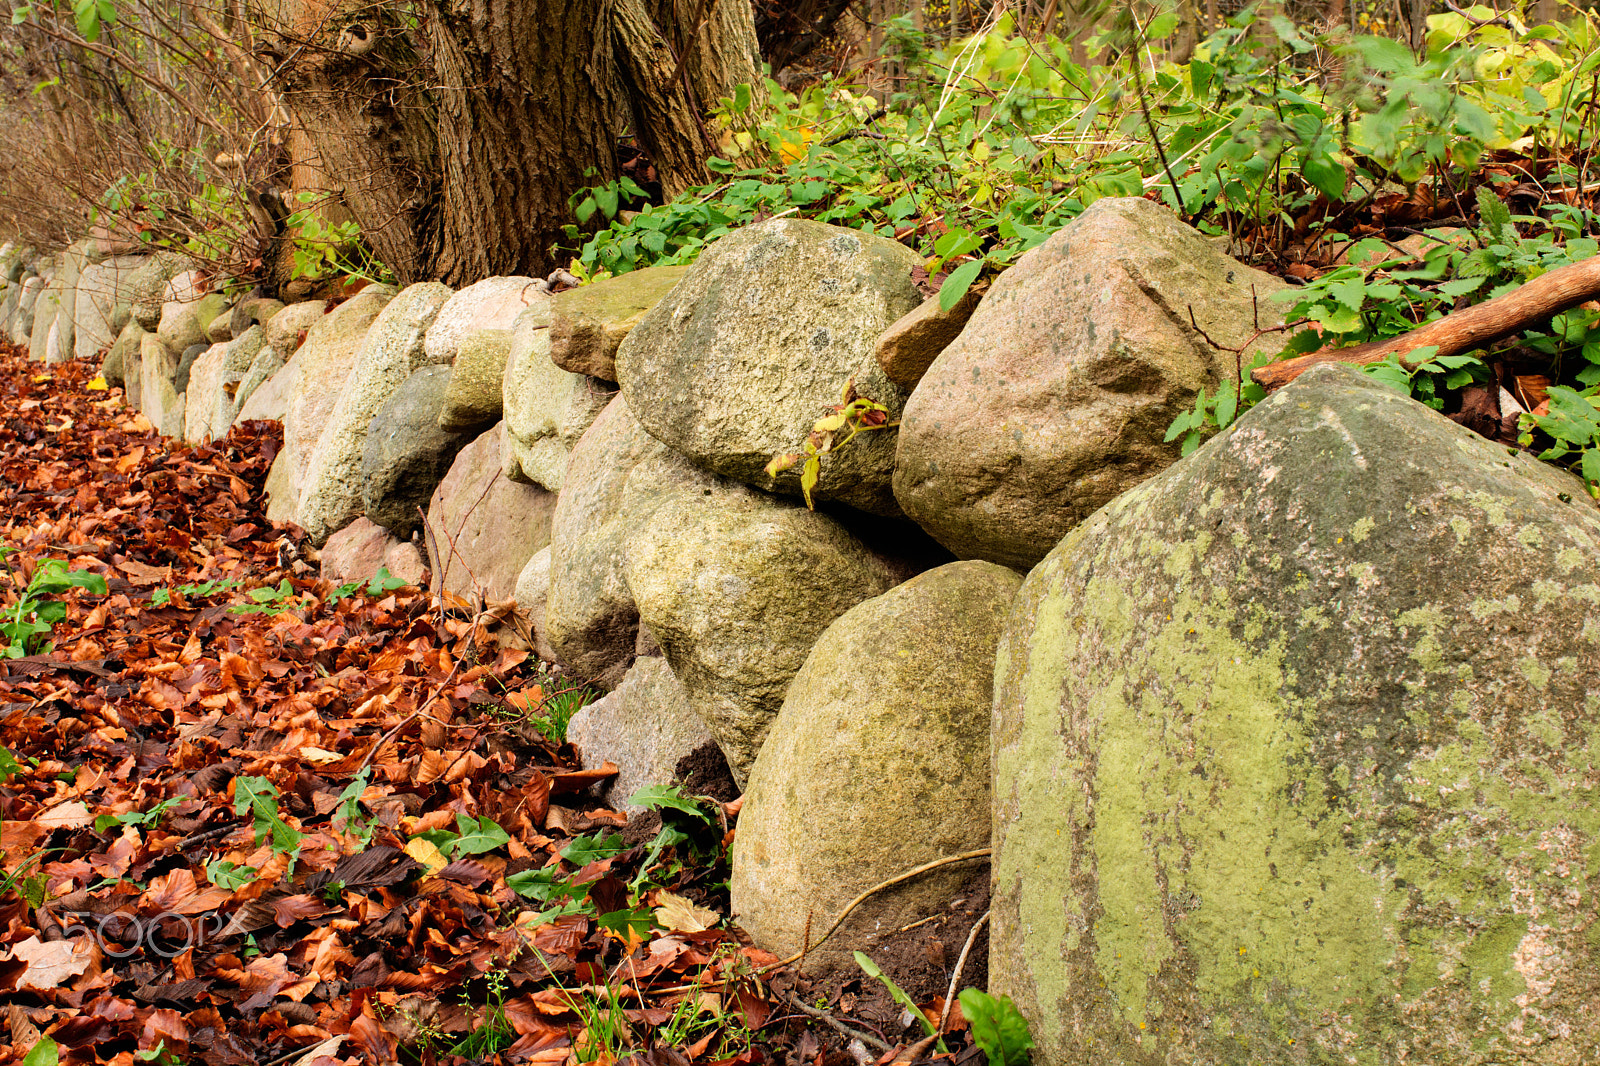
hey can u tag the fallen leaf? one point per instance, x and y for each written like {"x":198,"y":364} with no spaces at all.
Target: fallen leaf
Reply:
{"x":680,"y":914}
{"x":50,"y":963}
{"x":73,"y":815}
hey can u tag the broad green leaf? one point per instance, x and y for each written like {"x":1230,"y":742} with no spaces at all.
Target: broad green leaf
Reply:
{"x":1326,"y":174}
{"x":44,"y":1053}
{"x":998,"y":1027}
{"x":478,"y":836}
{"x":587,"y":849}
{"x":1461,"y":286}
{"x":605,"y":197}
{"x":1227,"y":404}
{"x":956,"y":285}
{"x":810,"y":474}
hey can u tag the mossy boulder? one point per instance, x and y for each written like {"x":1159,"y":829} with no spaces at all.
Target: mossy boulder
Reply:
{"x":737,"y":585}
{"x":476,"y":396}
{"x":1295,"y":752}
{"x":739,"y":361}
{"x":588,"y":324}
{"x":405,"y":454}
{"x":547,"y":409}
{"x":878,"y":762}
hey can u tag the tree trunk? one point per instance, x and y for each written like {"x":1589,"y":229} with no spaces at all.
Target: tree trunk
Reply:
{"x":525,"y":105}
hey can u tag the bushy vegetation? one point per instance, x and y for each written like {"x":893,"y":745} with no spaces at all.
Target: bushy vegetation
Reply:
{"x":1311,"y":149}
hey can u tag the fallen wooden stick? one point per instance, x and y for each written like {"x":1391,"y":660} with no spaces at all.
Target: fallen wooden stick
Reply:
{"x":1472,"y":327}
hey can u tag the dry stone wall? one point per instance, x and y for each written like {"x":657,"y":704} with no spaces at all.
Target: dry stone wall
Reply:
{"x":1287,"y":748}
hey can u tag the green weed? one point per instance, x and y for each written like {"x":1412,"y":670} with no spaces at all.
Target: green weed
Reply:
{"x":26,"y":625}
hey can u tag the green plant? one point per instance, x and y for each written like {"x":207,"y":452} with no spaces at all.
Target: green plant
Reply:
{"x":158,"y":1055}
{"x":492,"y":1032}
{"x":229,"y":875}
{"x":997,"y":1027}
{"x":27,"y":624}
{"x":266,"y":600}
{"x":473,"y":836}
{"x":684,"y":820}
{"x":551,"y":714}
{"x":137,"y":818}
{"x":257,"y":797}
{"x":330,"y":249}
{"x":1573,"y":422}
{"x":853,"y":415}
{"x":381,"y":582}
{"x":873,"y":970}
{"x":9,"y":766}
{"x":349,"y":816}
{"x":162,"y":597}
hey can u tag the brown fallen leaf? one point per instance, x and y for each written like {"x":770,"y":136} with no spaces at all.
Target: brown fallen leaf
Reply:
{"x":52,"y":962}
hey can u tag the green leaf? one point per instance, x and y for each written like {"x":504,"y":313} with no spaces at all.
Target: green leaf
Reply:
{"x":810,"y":474}
{"x":479,"y":836}
{"x":1461,"y":286}
{"x":656,"y":797}
{"x":383,"y":581}
{"x":586,"y":849}
{"x":872,"y":970}
{"x":1326,"y":174}
{"x":229,"y":875}
{"x":625,"y":921}
{"x":998,"y":1027}
{"x":956,"y":285}
{"x":605,"y":197}
{"x":585,"y":209}
{"x":1227,"y":404}
{"x":87,"y":13}
{"x":44,"y":1053}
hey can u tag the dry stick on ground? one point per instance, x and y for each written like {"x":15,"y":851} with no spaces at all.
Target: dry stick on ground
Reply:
{"x":979,"y":853}
{"x":961,"y":964}
{"x":824,"y":1016}
{"x":1474,"y":327}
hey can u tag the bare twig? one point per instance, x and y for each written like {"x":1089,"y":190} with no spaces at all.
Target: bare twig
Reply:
{"x":961,"y":964}
{"x":828,"y":1019}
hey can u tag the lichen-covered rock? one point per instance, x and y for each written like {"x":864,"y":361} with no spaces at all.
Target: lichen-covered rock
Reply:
{"x":486,"y":528}
{"x":736,"y":586}
{"x":121,"y":364}
{"x":493,"y":303}
{"x":391,"y":350}
{"x":323,"y":364}
{"x":1057,"y":395}
{"x":547,"y":409}
{"x":55,"y":308}
{"x":587,"y":324}
{"x":533,"y":590}
{"x":214,"y":383}
{"x":158,"y":365}
{"x":477,"y":386}
{"x":645,"y":725}
{"x":742,"y":358}
{"x":253,"y":310}
{"x":101,"y":287}
{"x":405,"y":454}
{"x":886,"y":726}
{"x":617,"y":476}
{"x":27,"y":306}
{"x":183,"y":322}
{"x":1294,"y":753}
{"x":266,"y":387}
{"x":148,"y":284}
{"x":287,"y":326}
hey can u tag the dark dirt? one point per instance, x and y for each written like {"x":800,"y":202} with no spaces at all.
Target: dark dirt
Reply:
{"x":919,"y":959}
{"x":704,"y":772}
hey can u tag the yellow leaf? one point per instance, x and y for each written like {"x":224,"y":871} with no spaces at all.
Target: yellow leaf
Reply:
{"x":425,"y":853}
{"x":42,"y":378}
{"x":676,"y":913}
{"x":97,"y":385}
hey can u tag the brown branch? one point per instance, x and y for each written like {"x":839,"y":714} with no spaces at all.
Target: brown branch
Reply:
{"x":1473,"y":327}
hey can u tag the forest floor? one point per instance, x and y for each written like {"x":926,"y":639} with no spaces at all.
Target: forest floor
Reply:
{"x":251,"y":818}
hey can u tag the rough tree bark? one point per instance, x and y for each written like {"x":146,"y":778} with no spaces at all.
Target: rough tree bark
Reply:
{"x":458,"y":129}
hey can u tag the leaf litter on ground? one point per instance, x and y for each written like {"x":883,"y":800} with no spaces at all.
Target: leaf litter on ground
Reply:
{"x":320,"y":829}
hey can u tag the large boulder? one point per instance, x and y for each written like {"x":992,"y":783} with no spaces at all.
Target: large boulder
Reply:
{"x":588,"y":324}
{"x":885,"y":726}
{"x":736,"y":586}
{"x":57,"y":307}
{"x":183,"y":322}
{"x":493,"y":303}
{"x":214,"y":384}
{"x":617,"y":476}
{"x":288,"y":327}
{"x":101,"y":287}
{"x":158,"y":368}
{"x":391,"y":350}
{"x":267,"y":385}
{"x":1058,"y":394}
{"x":1294,"y":753}
{"x":405,"y":454}
{"x":760,"y":337}
{"x":485,"y":527}
{"x":645,"y":725}
{"x":121,"y":364}
{"x":532,"y":592}
{"x":477,"y":386}
{"x":323,"y":365}
{"x":27,"y":308}
{"x":147,"y":287}
{"x":547,"y":409}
